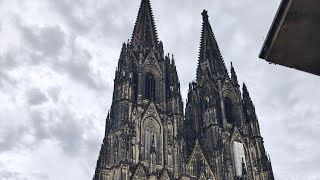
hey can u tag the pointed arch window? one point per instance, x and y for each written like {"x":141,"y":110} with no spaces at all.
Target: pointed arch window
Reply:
{"x":135,"y":86}
{"x":229,"y":110}
{"x":217,"y":110}
{"x":150,"y":86}
{"x":239,"y":158}
{"x":151,"y":139}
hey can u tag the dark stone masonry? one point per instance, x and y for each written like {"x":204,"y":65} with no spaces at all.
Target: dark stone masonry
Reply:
{"x":148,"y":135}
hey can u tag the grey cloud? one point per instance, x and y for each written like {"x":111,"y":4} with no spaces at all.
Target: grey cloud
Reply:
{"x":83,"y":18}
{"x":46,"y":45}
{"x":39,"y":45}
{"x":46,"y":40}
{"x":292,"y":116}
{"x":122,"y":26}
{"x":36,"y":97}
{"x":11,"y":136}
{"x":8,"y":174}
{"x":40,"y":176}
{"x":54,"y":93}
{"x":69,"y":134}
{"x":7,"y":63}
{"x":40,"y":124}
{"x":5,"y":80}
{"x":70,"y":12}
{"x":77,"y":66}
{"x":60,"y":125}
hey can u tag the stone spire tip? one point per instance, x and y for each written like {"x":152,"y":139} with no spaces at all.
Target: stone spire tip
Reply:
{"x":205,"y":15}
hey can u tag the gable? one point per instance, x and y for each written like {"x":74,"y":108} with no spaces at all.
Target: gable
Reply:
{"x":151,"y":64}
{"x":151,"y":112}
{"x":165,"y":175}
{"x":197,"y":157}
{"x":139,"y":174}
{"x":236,"y":135}
{"x":228,"y":90}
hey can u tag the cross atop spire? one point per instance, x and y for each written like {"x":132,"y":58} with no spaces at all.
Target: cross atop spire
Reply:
{"x":209,"y":50}
{"x":144,"y":32}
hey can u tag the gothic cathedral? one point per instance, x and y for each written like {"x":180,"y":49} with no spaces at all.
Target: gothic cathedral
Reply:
{"x":148,"y":135}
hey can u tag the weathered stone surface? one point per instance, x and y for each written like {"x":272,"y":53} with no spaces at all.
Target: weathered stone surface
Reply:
{"x":149,"y":137}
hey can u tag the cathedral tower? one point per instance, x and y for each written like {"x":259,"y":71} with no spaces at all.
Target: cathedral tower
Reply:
{"x":141,"y":129}
{"x":147,"y":135}
{"x":221,"y":122}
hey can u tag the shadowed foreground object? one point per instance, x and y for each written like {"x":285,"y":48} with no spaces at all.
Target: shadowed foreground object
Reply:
{"x":293,"y":39}
{"x":147,"y":135}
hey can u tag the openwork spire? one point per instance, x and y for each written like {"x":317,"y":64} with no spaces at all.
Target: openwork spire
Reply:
{"x":209,"y":50}
{"x":144,"y":32}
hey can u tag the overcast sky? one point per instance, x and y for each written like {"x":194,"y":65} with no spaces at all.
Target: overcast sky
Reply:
{"x":57,"y":63}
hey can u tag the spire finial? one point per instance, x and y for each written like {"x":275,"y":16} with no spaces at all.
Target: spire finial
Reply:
{"x":172,"y":59}
{"x":107,"y":127}
{"x":205,"y":16}
{"x":232,"y":69}
{"x":244,"y":89}
{"x":234,"y":77}
{"x":245,"y":92}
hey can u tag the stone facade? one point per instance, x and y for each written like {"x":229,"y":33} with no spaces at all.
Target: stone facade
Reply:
{"x":147,"y":134}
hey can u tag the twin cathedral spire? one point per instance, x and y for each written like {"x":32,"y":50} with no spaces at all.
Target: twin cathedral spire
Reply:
{"x":144,"y":32}
{"x":149,"y":136}
{"x":210,"y":58}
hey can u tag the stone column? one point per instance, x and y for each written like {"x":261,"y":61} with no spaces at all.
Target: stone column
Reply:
{"x":224,"y":120}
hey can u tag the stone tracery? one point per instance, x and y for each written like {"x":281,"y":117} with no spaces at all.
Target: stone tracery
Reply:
{"x":148,"y":135}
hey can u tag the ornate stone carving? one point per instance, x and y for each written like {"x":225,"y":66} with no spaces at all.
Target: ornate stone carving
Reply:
{"x":152,"y":137}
